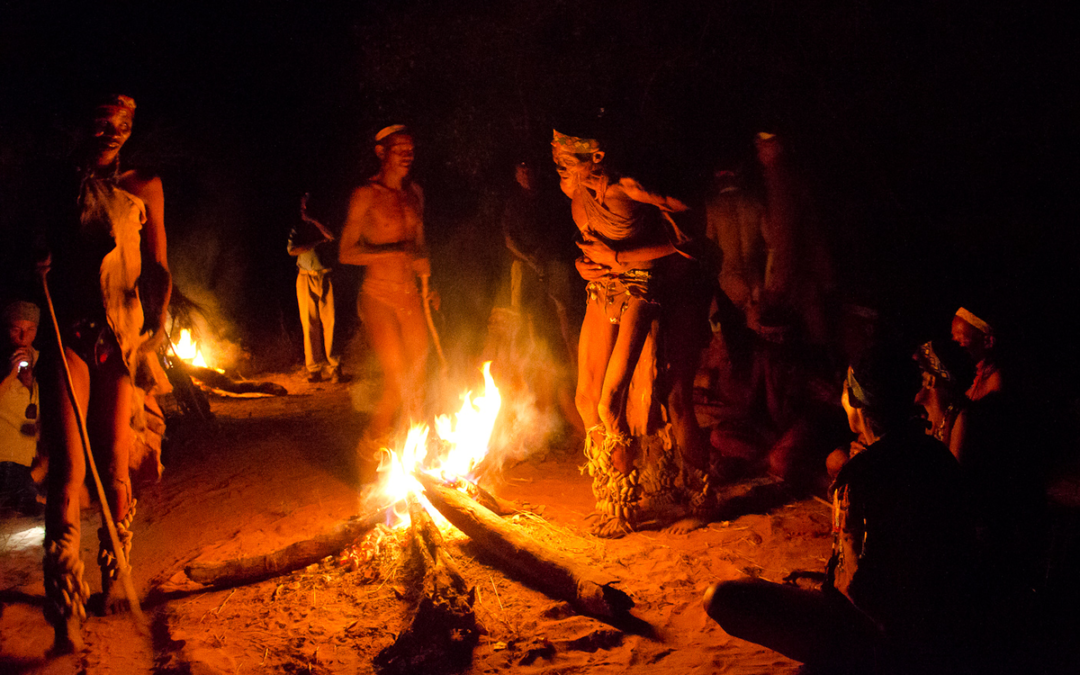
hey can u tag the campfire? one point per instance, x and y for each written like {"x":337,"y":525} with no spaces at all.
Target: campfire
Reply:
{"x":427,"y":489}
{"x":188,"y":351}
{"x":455,"y":459}
{"x":187,"y":355}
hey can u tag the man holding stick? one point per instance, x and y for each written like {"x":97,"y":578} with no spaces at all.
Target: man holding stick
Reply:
{"x":111,"y":284}
{"x":384,"y":232}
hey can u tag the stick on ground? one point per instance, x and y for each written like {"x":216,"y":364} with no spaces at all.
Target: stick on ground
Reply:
{"x":240,"y":571}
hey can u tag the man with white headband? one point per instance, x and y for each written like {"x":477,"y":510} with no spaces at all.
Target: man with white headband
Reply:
{"x":384,"y":232}
{"x":976,"y":336}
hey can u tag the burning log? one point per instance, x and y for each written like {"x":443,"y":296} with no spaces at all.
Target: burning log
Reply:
{"x":223,"y":385}
{"x":240,"y":571}
{"x":442,"y":631}
{"x":522,"y":556}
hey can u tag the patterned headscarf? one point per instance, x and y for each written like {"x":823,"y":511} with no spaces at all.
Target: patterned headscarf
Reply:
{"x":574,"y":145}
{"x":20,"y":310}
{"x":947,"y":361}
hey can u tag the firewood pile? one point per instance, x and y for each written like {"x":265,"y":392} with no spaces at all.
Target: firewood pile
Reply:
{"x":441,"y":629}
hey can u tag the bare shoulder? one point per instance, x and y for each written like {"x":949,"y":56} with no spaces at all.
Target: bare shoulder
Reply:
{"x":143,"y":184}
{"x":635,"y":191}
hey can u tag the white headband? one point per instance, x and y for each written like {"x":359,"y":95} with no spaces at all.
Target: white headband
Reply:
{"x":974,"y":321}
{"x":387,"y":131}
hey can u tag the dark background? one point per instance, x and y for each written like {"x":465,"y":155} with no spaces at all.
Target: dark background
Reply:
{"x":936,"y":134}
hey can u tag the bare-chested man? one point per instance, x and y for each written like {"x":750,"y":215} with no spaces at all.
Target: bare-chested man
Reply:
{"x":111,"y":285}
{"x":637,"y":274}
{"x":384,"y":232}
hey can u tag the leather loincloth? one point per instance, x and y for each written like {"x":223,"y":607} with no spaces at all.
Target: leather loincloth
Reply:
{"x":401,"y":297}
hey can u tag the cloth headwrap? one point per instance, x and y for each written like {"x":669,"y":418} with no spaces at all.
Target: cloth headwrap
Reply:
{"x":20,"y":310}
{"x":119,"y":104}
{"x":573,"y":144}
{"x":388,"y":131}
{"x":975,"y":321}
{"x":856,"y":391}
{"x":928,"y":359}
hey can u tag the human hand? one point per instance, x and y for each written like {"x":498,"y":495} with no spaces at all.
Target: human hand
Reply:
{"x":44,"y":265}
{"x":20,"y":356}
{"x":422,"y":267}
{"x":598,"y":251}
{"x":155,"y":341}
{"x":589,"y":270}
{"x":434,"y":299}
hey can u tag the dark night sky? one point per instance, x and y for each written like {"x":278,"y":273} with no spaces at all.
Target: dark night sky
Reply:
{"x":935,"y":133}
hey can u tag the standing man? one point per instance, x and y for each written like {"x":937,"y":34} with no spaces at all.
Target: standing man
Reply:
{"x":384,"y":232}
{"x":110,"y":284}
{"x":310,"y":243}
{"x":18,"y":404}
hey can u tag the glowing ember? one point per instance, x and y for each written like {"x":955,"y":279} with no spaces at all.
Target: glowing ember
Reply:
{"x":465,"y":437}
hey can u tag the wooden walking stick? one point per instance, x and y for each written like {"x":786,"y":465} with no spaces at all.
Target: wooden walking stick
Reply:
{"x":425,"y":289}
{"x":123,"y":569}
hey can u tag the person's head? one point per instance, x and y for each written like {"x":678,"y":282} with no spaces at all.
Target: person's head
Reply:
{"x":880,"y":389}
{"x":110,"y":128}
{"x":973,"y":334}
{"x":394,"y":147}
{"x":947,"y":372}
{"x":576,"y":159}
{"x":21,"y":323}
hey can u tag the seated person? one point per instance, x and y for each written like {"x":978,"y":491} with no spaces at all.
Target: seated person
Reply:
{"x":893,"y":585}
{"x":947,"y":372}
{"x":18,"y":406}
{"x":976,"y":337}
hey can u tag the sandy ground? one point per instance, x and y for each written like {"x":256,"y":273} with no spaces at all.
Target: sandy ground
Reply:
{"x":276,"y":470}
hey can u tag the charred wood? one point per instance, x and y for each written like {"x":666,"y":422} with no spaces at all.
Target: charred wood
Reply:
{"x":526,"y":559}
{"x":441,"y":631}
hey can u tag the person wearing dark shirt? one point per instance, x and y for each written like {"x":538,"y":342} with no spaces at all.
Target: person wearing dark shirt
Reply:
{"x":895,"y":584}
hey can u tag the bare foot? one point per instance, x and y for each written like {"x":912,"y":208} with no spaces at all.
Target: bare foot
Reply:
{"x":686,"y":525}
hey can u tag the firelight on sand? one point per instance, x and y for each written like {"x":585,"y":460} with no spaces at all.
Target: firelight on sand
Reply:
{"x":464,"y":435}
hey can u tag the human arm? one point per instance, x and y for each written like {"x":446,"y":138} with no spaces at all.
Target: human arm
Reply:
{"x":303,"y":244}
{"x":156,"y":280}
{"x":599,"y":252}
{"x":958,"y":435}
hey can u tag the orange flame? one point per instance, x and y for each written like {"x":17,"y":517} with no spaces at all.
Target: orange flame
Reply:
{"x":465,"y":437}
{"x":188,"y":350}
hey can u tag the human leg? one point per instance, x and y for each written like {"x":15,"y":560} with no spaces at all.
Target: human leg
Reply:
{"x":307,"y":298}
{"x":109,"y":420}
{"x":414,"y":338}
{"x":384,"y":334}
{"x":66,"y":592}
{"x":597,"y":340}
{"x":809,"y":626}
{"x":326,"y":318}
